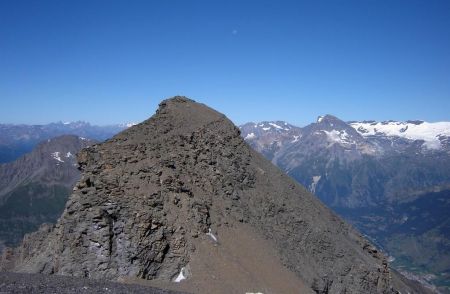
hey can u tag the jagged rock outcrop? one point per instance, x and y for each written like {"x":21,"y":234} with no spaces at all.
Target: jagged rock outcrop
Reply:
{"x":152,"y":194}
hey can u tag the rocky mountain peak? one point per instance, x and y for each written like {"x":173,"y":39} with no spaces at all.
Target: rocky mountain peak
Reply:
{"x":172,"y":198}
{"x":268,"y":137}
{"x":330,"y":131}
{"x":327,"y":118}
{"x":330,"y":122}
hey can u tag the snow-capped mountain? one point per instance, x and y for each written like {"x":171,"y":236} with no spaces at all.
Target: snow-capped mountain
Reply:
{"x":434,"y":135}
{"x":387,"y":178}
{"x":269,"y":137}
{"x":358,"y":138}
{"x":331,"y":142}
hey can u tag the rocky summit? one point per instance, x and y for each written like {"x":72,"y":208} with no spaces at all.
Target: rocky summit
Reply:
{"x":181,"y":200}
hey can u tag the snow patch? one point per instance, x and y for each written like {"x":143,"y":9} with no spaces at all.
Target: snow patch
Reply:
{"x":82,"y":138}
{"x":266,"y":126}
{"x":280,"y":127}
{"x":68,"y":154}
{"x":341,"y":137}
{"x":210,"y":234}
{"x":296,"y":139}
{"x":319,"y":119}
{"x":315,"y":180}
{"x":56,"y":156}
{"x":428,"y":132}
{"x":181,"y":276}
{"x":276,"y":126}
{"x":250,"y":136}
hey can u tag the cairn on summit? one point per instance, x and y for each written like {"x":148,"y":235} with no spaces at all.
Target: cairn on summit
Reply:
{"x":182,"y":198}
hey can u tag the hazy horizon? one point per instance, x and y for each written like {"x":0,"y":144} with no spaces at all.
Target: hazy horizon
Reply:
{"x":238,"y":124}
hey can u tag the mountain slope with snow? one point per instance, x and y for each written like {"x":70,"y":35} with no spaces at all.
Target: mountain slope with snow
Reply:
{"x":431,"y":133}
{"x":35,"y":187}
{"x":269,"y":137}
{"x":390,"y":179}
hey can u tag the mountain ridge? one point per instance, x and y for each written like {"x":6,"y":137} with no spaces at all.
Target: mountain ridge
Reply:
{"x":19,"y":139}
{"x":204,"y":179}
{"x":377,"y":181}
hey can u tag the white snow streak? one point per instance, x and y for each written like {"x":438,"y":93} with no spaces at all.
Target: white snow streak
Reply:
{"x":315,"y":180}
{"x":211,"y":235}
{"x":338,"y":136}
{"x":180,"y":276}
{"x":250,"y":136}
{"x":276,"y":126}
{"x":55,"y":155}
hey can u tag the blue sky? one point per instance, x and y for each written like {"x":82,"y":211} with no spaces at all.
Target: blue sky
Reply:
{"x":113,"y":61}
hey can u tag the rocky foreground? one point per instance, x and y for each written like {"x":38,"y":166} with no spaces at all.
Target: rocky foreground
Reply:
{"x":13,"y":283}
{"x":183,"y":202}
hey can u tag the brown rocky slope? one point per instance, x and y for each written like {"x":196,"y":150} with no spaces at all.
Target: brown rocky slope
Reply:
{"x":182,"y":194}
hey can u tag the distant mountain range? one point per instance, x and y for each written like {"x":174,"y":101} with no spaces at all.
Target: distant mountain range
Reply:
{"x":35,"y":187}
{"x":390,"y":179}
{"x":16,"y":140}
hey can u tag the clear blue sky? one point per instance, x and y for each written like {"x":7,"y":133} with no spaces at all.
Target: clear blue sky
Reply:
{"x":113,"y":61}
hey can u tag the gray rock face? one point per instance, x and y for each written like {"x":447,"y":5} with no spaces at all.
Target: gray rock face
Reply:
{"x":150,"y":192}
